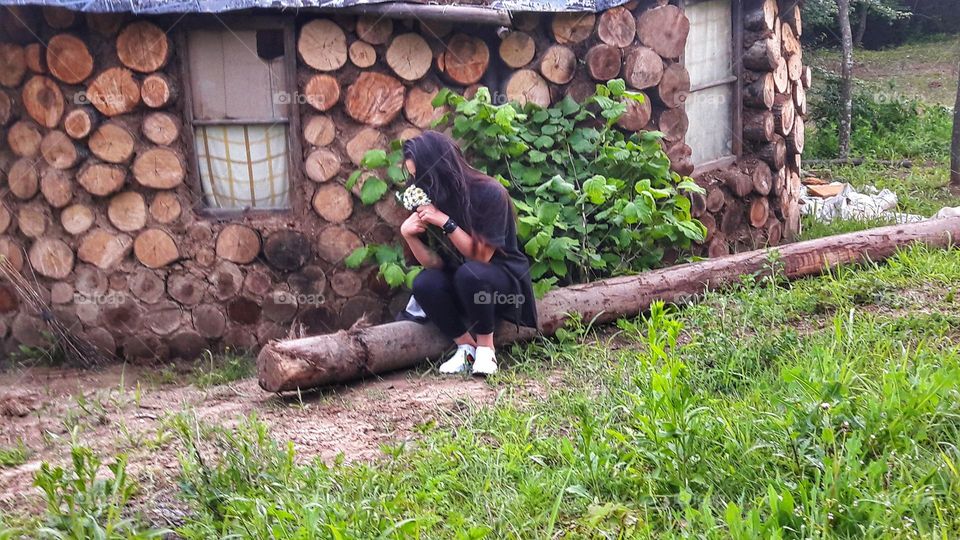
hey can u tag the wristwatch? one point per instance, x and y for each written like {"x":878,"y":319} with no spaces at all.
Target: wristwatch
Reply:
{"x":449,"y":226}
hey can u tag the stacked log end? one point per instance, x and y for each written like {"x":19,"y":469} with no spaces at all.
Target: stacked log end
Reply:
{"x":755,"y":201}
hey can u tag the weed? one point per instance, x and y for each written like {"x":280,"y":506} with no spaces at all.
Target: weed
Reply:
{"x":79,"y":505}
{"x":12,"y":457}
{"x":222,"y":368}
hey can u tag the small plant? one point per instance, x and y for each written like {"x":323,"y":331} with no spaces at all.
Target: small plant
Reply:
{"x":221,"y":368}
{"x":46,"y":355}
{"x":79,"y":505}
{"x":393,"y":267}
{"x":12,"y":457}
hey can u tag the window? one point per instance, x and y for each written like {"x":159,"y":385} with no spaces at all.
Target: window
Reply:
{"x":241,"y":116}
{"x":712,"y":105}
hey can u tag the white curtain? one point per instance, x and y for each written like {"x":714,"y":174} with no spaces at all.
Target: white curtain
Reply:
{"x":244,"y":166}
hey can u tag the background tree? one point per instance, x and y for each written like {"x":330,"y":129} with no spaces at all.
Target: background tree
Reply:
{"x":820,"y":19}
{"x":887,"y":10}
{"x":846,"y":78}
{"x":955,"y":147}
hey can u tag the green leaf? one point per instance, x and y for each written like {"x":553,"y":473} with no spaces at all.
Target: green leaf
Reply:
{"x":411,"y":275}
{"x":617,"y":87}
{"x":397,"y":174}
{"x":372,"y":190}
{"x":442,"y":97}
{"x":394,"y":275}
{"x":543,"y":141}
{"x":357,"y":257}
{"x":505,"y":116}
{"x":568,"y":106}
{"x":558,"y":267}
{"x":352,"y":180}
{"x":374,"y":159}
{"x":385,"y":254}
{"x":538,"y":269}
{"x":547,"y":213}
{"x":561,"y":186}
{"x":694,"y":230}
{"x":559,"y":248}
{"x":597,"y":190}
{"x":541,"y":286}
{"x":687,"y":184}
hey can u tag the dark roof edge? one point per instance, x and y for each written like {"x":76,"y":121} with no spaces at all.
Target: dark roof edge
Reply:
{"x":159,"y":7}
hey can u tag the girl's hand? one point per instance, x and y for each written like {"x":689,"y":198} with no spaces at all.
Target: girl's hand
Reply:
{"x":428,"y":213}
{"x":412,"y":226}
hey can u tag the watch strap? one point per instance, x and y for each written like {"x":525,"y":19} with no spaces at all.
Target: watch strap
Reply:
{"x":449,"y":226}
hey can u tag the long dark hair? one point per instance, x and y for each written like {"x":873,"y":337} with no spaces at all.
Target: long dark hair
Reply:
{"x":444,"y":174}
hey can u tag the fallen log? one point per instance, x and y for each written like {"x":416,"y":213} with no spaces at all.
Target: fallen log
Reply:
{"x":351,"y":354}
{"x":905,"y":163}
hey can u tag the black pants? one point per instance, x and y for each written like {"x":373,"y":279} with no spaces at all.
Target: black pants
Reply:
{"x":466,"y":299}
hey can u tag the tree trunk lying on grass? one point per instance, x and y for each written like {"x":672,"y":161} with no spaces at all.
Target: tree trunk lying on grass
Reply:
{"x":351,"y":354}
{"x":903,"y":163}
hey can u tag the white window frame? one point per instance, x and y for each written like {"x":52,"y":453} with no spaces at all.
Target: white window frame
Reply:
{"x":294,"y":148}
{"x":736,"y":13}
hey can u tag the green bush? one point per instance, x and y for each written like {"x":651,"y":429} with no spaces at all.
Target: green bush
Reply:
{"x":884,"y":125}
{"x":592,"y":202}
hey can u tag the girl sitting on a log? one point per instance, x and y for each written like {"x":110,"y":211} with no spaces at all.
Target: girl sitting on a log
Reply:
{"x":477,"y":273}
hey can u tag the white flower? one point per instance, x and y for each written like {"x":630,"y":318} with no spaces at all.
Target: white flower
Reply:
{"x":413,"y":197}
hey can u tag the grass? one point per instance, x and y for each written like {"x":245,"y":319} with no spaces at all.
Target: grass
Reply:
{"x":13,"y":456}
{"x":214,"y":369}
{"x":825,"y":407}
{"x":924,"y":69}
{"x":211,"y":369}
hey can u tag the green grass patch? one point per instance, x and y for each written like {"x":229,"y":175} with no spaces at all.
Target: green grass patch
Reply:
{"x":214,"y":369}
{"x":13,"y":456}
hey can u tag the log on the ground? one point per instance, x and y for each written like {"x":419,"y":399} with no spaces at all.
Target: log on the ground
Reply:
{"x":351,"y":354}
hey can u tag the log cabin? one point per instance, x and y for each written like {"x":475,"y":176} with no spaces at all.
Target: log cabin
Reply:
{"x":172,"y":173}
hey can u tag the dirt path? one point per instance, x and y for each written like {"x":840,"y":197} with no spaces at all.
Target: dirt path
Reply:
{"x":109,"y":412}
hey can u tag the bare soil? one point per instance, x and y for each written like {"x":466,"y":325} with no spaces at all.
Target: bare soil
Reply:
{"x":113,"y":411}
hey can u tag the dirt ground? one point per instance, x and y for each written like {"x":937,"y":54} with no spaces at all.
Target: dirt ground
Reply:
{"x":114,"y":411}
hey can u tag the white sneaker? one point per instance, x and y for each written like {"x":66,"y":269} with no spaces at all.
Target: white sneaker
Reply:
{"x":458,"y":362}
{"x":485,"y":361}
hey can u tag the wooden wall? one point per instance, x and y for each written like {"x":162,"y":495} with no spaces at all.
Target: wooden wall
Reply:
{"x":101,"y":206}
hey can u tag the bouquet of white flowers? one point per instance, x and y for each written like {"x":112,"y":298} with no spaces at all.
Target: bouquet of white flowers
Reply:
{"x":412,"y":198}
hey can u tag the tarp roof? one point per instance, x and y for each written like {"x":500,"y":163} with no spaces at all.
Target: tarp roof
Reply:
{"x":155,"y":7}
